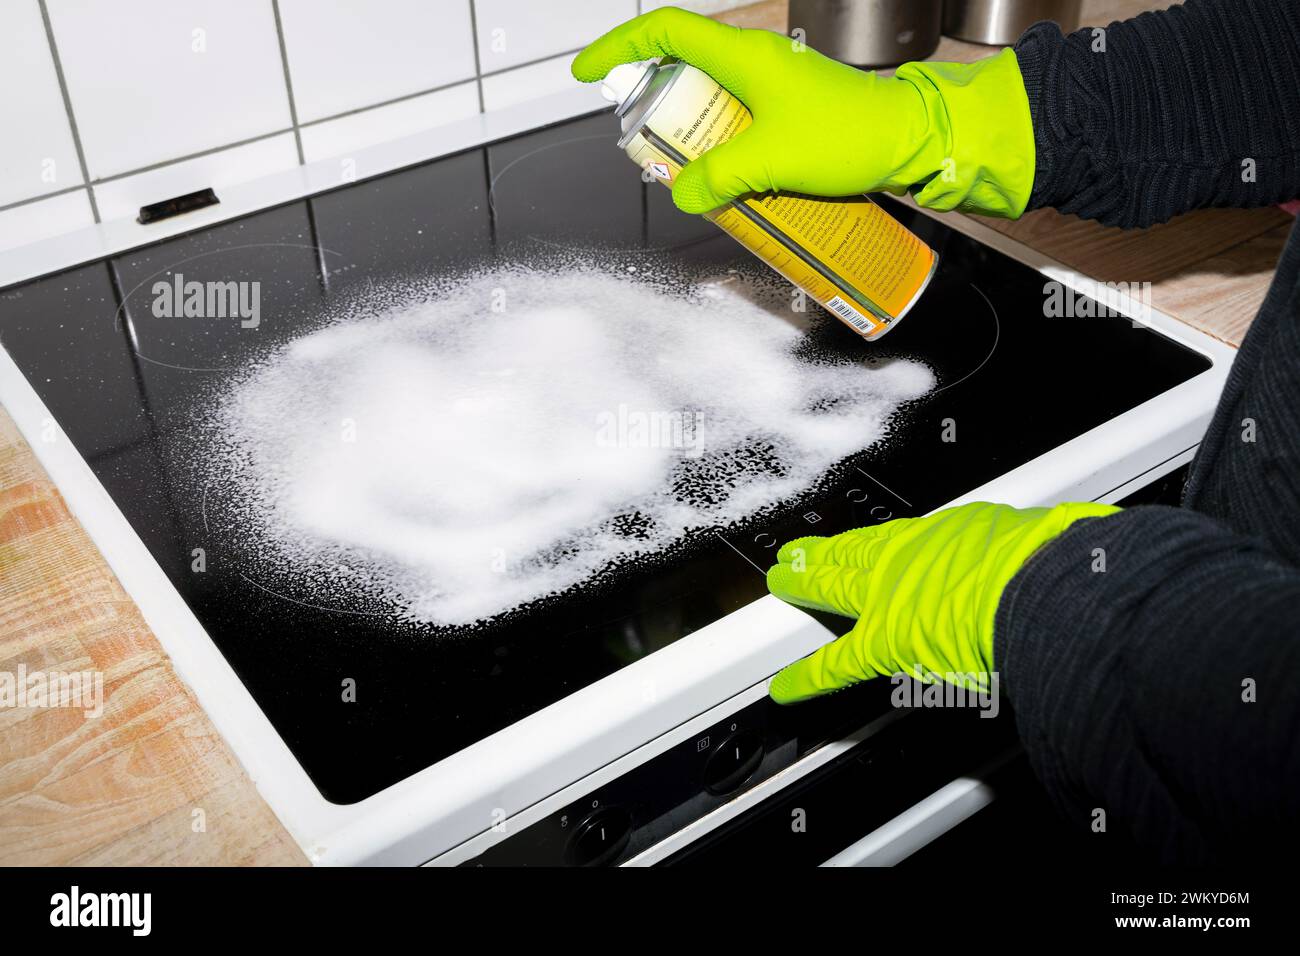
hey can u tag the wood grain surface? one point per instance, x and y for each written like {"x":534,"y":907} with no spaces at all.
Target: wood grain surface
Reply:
{"x":133,"y":785}
{"x":147,"y":782}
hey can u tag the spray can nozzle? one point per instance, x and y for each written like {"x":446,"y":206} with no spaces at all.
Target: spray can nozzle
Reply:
{"x":625,"y":82}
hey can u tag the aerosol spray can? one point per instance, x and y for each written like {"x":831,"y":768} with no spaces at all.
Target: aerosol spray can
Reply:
{"x":852,"y":257}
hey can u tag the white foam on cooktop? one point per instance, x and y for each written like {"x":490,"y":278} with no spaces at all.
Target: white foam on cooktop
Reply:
{"x":457,"y":451}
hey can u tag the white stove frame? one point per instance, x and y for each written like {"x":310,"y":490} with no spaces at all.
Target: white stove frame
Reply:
{"x":453,"y":809}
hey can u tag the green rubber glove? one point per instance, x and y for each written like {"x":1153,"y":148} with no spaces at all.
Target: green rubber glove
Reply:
{"x":924,"y":591}
{"x":960,"y":134}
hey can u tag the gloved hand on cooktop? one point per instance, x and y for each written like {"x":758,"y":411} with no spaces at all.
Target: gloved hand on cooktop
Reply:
{"x":924,"y":590}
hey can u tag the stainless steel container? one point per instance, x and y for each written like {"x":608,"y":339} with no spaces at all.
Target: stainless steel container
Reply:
{"x":868,"y":32}
{"x":1000,"y":22}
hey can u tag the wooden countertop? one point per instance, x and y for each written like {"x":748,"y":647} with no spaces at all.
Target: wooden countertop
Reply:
{"x":151,"y":781}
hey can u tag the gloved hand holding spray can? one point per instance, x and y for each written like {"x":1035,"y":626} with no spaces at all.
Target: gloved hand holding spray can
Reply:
{"x":820,"y":129}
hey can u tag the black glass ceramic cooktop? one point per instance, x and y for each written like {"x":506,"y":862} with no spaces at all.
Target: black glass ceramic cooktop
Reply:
{"x":120,"y":381}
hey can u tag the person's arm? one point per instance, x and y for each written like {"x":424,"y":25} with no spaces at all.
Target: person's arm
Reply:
{"x":1162,"y":689}
{"x":1194,"y":106}
{"x":1150,"y":655}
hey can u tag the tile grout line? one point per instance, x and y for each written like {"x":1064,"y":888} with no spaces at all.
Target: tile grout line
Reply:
{"x":54,"y":194}
{"x":482,"y":109}
{"x":288,"y":82}
{"x":67,"y":106}
{"x":382,"y":103}
{"x":189,"y":156}
{"x":478,"y":67}
{"x":540,"y":59}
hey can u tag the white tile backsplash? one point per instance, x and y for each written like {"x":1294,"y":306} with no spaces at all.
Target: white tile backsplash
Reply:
{"x":37,"y":155}
{"x":169,"y":96}
{"x":337,"y":137}
{"x":344,"y":55}
{"x":122,"y":198}
{"x":511,"y":32}
{"x":154,"y":80}
{"x":44,"y":218}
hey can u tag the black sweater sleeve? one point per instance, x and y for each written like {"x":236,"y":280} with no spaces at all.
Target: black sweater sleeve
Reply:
{"x":1153,"y":656}
{"x":1197,"y":105}
{"x":1160,"y":686}
{"x":1131,"y":645}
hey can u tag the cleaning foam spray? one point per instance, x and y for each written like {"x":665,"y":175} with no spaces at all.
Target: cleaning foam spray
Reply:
{"x":850,"y":255}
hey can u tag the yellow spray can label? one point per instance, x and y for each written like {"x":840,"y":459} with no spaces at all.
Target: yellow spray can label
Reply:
{"x":849,"y":255}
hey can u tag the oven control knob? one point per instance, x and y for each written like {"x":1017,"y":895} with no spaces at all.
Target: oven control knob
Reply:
{"x":600,"y":838}
{"x":733,"y":762}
